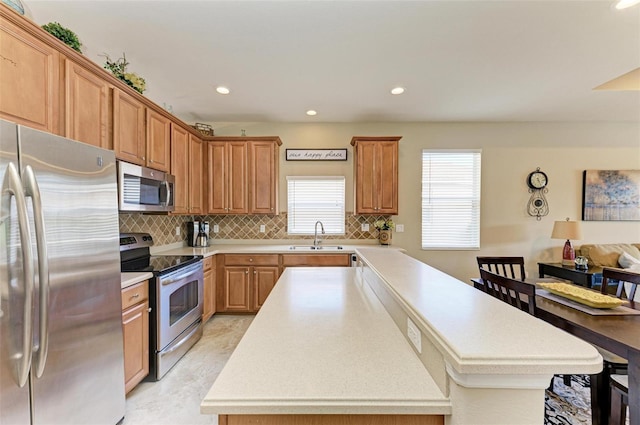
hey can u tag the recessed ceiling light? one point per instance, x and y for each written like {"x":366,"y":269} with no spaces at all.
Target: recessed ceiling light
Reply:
{"x":623,"y":4}
{"x":311,"y":113}
{"x":223,"y":90}
{"x":397,"y":90}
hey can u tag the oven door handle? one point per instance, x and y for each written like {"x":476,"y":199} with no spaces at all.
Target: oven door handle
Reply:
{"x":181,"y":274}
{"x":182,"y":340}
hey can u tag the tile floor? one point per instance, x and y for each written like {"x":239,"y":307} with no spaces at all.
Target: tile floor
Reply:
{"x":175,"y":400}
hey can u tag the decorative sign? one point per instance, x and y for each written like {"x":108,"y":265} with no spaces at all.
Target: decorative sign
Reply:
{"x":316,"y":154}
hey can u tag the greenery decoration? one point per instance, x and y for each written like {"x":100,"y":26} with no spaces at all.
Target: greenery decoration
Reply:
{"x":119,"y":69}
{"x":384,"y":224}
{"x":63,"y":34}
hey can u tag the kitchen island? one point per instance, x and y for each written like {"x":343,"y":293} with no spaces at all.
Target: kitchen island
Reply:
{"x":332,"y":342}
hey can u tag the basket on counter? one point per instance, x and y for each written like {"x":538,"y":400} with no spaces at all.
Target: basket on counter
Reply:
{"x":205,"y":129}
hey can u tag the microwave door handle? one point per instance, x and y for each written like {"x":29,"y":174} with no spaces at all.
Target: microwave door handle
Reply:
{"x":12,"y":186}
{"x":168,"y":193}
{"x":32,"y":190}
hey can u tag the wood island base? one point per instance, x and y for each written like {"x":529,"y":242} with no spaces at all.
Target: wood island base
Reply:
{"x":330,"y":420}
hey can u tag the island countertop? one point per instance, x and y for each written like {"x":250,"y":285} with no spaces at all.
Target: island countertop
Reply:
{"x":332,"y":341}
{"x":323,"y":343}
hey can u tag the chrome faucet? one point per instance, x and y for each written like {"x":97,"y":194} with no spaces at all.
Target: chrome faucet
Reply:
{"x":316,"y":241}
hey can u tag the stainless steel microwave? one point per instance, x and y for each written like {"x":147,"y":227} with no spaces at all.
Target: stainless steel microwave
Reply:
{"x":144,"y":189}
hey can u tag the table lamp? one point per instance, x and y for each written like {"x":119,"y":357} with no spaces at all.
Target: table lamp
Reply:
{"x":567,"y":230}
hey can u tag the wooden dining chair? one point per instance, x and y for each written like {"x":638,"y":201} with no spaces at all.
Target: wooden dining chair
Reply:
{"x":511,"y":267}
{"x":626,"y":280}
{"x":512,"y":291}
{"x":603,"y":389}
{"x":619,"y":399}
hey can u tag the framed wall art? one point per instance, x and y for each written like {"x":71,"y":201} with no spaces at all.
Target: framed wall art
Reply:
{"x":611,"y":195}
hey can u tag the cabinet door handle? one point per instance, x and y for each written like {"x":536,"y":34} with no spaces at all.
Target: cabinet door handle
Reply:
{"x":251,"y":260}
{"x":246,"y":272}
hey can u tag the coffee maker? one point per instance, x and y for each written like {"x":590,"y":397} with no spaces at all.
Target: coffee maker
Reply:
{"x":198,"y":233}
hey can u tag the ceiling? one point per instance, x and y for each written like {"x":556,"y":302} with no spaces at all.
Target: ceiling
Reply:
{"x":473,"y":61}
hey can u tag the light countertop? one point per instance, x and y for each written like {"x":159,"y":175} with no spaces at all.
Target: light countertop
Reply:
{"x":131,"y":278}
{"x":476,"y":333}
{"x":258,"y":248}
{"x":322,"y":343}
{"x":325,"y":342}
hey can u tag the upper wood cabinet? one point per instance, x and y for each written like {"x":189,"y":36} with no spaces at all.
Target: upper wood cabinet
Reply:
{"x":242,"y":175}
{"x":87,"y":106}
{"x":128,"y":128}
{"x":263,"y":177}
{"x":376,"y":175}
{"x":180,"y":168}
{"x":227,"y":176}
{"x":196,"y":175}
{"x":187,"y":163}
{"x":30,"y":78}
{"x":158,"y":141}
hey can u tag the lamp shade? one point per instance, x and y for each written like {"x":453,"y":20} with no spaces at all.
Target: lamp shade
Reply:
{"x":566,"y":230}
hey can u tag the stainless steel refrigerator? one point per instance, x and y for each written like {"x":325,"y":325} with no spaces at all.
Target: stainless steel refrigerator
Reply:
{"x":61,"y":349}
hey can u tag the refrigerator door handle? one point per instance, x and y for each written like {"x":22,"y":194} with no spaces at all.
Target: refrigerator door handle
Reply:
{"x":31,"y":189}
{"x":12,"y":186}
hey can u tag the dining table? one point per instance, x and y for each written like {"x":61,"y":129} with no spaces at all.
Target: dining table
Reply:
{"x":619,"y":334}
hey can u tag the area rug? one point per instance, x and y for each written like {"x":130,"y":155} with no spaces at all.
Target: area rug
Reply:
{"x":569,"y":405}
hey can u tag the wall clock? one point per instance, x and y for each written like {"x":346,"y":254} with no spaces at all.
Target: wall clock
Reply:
{"x":538,"y":206}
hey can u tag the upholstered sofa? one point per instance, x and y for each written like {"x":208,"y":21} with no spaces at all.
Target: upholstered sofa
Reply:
{"x":610,"y":255}
{"x":617,"y":255}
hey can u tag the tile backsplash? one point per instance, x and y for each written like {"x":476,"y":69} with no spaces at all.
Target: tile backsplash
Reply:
{"x":163,"y":227}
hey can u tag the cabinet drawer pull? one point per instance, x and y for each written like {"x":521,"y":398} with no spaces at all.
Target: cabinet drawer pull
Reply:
{"x":134,"y":296}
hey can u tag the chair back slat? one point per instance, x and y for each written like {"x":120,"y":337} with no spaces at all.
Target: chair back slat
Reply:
{"x":622,"y":276}
{"x":512,"y":291}
{"x":511,"y":267}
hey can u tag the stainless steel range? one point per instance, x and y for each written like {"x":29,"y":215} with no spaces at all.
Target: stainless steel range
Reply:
{"x":175,"y":296}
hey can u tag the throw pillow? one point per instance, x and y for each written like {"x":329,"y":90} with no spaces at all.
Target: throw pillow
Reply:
{"x":626,"y":260}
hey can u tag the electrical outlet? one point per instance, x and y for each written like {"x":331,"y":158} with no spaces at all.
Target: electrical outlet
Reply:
{"x":262,"y":228}
{"x":216,"y":228}
{"x":177,"y":230}
{"x":399,"y":228}
{"x":364,"y":227}
{"x":414,"y":335}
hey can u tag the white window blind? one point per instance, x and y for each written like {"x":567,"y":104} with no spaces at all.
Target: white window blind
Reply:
{"x":310,"y":199}
{"x":451,"y":199}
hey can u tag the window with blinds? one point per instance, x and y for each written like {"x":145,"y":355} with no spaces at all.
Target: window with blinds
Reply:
{"x":311,"y":199}
{"x":451,"y":199}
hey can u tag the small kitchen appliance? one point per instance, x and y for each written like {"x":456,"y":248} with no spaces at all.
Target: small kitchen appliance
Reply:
{"x":198,"y":233}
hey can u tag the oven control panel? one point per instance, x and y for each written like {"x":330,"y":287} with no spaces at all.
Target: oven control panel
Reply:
{"x":135,"y":240}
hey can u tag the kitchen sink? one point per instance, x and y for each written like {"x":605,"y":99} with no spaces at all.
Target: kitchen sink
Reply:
{"x":316,"y":248}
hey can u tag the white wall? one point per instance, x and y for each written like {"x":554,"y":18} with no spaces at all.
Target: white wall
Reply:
{"x":509,"y":152}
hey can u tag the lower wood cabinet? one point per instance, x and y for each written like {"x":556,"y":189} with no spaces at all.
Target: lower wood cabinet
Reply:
{"x":245,"y":281}
{"x":135,"y":329}
{"x":209,"y":307}
{"x":316,"y":260}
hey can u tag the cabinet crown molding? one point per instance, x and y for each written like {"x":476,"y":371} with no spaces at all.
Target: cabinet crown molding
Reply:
{"x":356,"y":139}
